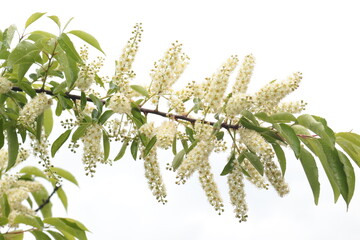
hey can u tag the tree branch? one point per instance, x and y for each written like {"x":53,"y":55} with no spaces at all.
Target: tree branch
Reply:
{"x":47,"y":201}
{"x":144,"y":110}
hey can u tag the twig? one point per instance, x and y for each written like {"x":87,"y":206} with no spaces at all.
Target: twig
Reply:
{"x":47,"y":201}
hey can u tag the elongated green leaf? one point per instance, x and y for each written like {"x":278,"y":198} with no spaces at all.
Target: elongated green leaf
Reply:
{"x":39,"y":126}
{"x":255,"y":161}
{"x":69,"y":66}
{"x":67,"y":45}
{"x":48,"y":121}
{"x":56,"y":235}
{"x":33,"y":18}
{"x":59,"y":142}
{"x":318,"y":126}
{"x":5,"y":206}
{"x":29,"y":220}
{"x":97,"y":102}
{"x":134,"y":148}
{"x":311,"y":171}
{"x":87,"y":38}
{"x":62,"y":196}
{"x":3,"y":221}
{"x":250,"y":116}
{"x":247,"y":124}
{"x":56,"y":20}
{"x":66,"y":227}
{"x":13,"y":236}
{"x":173,"y":147}
{"x":283,"y":117}
{"x":190,"y":133}
{"x":2,"y":137}
{"x":40,"y":235}
{"x":350,"y":142}
{"x":79,"y":132}
{"x":31,"y":170}
{"x":141,"y":90}
{"x":350,"y":176}
{"x":280,"y":156}
{"x":105,"y":116}
{"x":106,"y":145}
{"x":122,"y":150}
{"x":40,"y":196}
{"x":83,"y":101}
{"x":65,"y":174}
{"x":75,"y":224}
{"x":178,"y":159}
{"x":290,"y":136}
{"x":229,"y":165}
{"x":13,"y":146}
{"x":193,"y":144}
{"x":149,"y":146}
{"x":24,"y":53}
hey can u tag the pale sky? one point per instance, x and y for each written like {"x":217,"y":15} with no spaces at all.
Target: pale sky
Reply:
{"x":318,"y":38}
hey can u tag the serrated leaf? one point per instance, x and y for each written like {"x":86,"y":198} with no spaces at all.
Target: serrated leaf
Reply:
{"x":56,"y":20}
{"x":65,"y":174}
{"x":229,"y":165}
{"x":280,"y":156}
{"x":87,"y":38}
{"x":67,"y":45}
{"x":48,"y":121}
{"x":178,"y":159}
{"x":29,"y":220}
{"x":149,"y":146}
{"x":33,"y":18}
{"x":106,"y":145}
{"x":122,"y":150}
{"x":311,"y":171}
{"x":13,"y":146}
{"x":350,"y":176}
{"x":134,"y":148}
{"x":290,"y":136}
{"x":59,"y":142}
{"x":255,"y":161}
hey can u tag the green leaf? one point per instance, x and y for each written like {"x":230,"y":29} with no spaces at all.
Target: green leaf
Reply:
{"x":350,"y":176}
{"x":173,"y":147}
{"x":66,"y":226}
{"x":190,"y":133}
{"x":219,"y":135}
{"x":311,"y":171}
{"x":67,"y":45}
{"x":283,"y":117}
{"x":65,"y":174}
{"x":69,"y":66}
{"x":149,"y":146}
{"x":193,"y":144}
{"x":255,"y":161}
{"x":13,"y":146}
{"x":59,"y":142}
{"x":24,"y":53}
{"x":250,"y":116}
{"x":79,"y":132}
{"x":280,"y":156}
{"x":39,"y":126}
{"x":29,"y":220}
{"x":290,"y":136}
{"x":62,"y":196}
{"x":122,"y":150}
{"x":5,"y":206}
{"x":48,"y":121}
{"x":40,"y":196}
{"x":97,"y":102}
{"x":13,"y":236}
{"x":134,"y":148}
{"x":2,"y":137}
{"x":87,"y":38}
{"x":106,"y":145}
{"x":56,"y":235}
{"x":75,"y":224}
{"x":105,"y":116}
{"x":318,"y":126}
{"x":33,"y":18}
{"x":3,"y":221}
{"x":350,"y":142}
{"x":229,"y":165}
{"x":141,"y":90}
{"x":40,"y":235}
{"x":247,"y":124}
{"x":56,"y":20}
{"x":83,"y":101}
{"x":178,"y":159}
{"x":26,"y":87}
{"x":30,"y":170}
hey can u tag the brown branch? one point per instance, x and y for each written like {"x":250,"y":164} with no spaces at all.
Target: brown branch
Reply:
{"x":47,"y":201}
{"x":144,"y":110}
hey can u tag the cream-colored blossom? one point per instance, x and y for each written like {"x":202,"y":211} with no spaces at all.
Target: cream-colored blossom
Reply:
{"x":255,"y":142}
{"x":237,"y":191}
{"x":255,"y":177}
{"x":23,"y":154}
{"x":120,"y":104}
{"x":209,"y":186}
{"x":177,"y":104}
{"x":5,"y":85}
{"x":275,"y":178}
{"x":165,"y":134}
{"x":237,"y":103}
{"x":291,"y":107}
{"x":244,"y":75}
{"x":213,"y":98}
{"x":34,"y":108}
{"x":148,"y":129}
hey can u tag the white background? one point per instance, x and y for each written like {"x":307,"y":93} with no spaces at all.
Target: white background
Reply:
{"x":319,"y":38}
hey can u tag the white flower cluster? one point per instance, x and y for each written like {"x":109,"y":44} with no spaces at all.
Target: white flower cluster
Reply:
{"x":291,"y":107}
{"x":244,"y":75}
{"x":92,"y":151}
{"x":34,"y":108}
{"x":237,"y":191}
{"x":217,"y":84}
{"x":151,"y":165}
{"x":4,"y":157}
{"x":87,"y":71}
{"x":17,"y":191}
{"x":167,"y":71}
{"x":119,"y":103}
{"x":165,"y":134}
{"x":5,"y":85}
